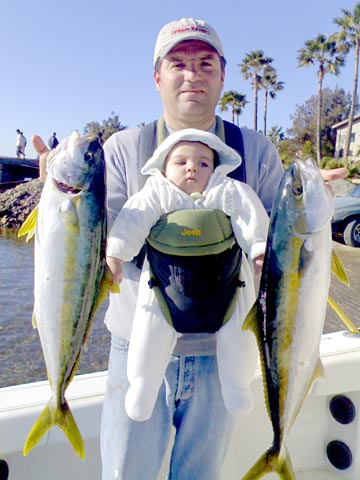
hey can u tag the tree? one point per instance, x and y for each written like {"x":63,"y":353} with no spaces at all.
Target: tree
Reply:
{"x":335,"y":108}
{"x":349,"y":37}
{"x":237,"y":102}
{"x":108,"y":127}
{"x":252,"y":68}
{"x":276,"y":135}
{"x":269,"y":83}
{"x":321,"y":51}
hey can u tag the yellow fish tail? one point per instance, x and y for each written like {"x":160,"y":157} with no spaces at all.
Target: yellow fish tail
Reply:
{"x":63,"y":418}
{"x":270,"y":462}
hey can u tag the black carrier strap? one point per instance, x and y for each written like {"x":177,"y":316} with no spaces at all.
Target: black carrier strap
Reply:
{"x":234,"y":139}
{"x":147,"y":142}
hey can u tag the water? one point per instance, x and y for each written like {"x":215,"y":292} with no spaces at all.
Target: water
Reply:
{"x":21,"y":359}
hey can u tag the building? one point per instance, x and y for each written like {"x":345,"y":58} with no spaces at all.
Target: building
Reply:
{"x":341,"y":131}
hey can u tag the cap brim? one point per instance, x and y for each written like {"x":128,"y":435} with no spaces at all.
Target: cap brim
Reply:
{"x":165,"y":50}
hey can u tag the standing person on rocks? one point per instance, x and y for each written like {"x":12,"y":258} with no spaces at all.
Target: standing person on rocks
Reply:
{"x":18,"y":143}
{"x":189,"y":73}
{"x":23,"y":143}
{"x":53,"y":142}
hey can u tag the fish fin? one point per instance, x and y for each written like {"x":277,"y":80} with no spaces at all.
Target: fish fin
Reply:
{"x":342,"y":315}
{"x":29,"y":226}
{"x":271,"y":462}
{"x":338,"y":269}
{"x":251,"y":319}
{"x":319,"y":371}
{"x":34,"y":321}
{"x":107,"y":285}
{"x":76,"y":364}
{"x":253,"y":322}
{"x":63,"y":418}
{"x":69,"y":216}
{"x":305,"y":256}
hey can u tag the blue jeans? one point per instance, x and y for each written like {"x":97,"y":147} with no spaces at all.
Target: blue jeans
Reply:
{"x":189,"y":399}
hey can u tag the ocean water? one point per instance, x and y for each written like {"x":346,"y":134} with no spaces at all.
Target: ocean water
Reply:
{"x":21,"y":359}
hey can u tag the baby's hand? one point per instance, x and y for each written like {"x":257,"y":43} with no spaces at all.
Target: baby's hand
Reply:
{"x":258,"y":264}
{"x":115,"y":265}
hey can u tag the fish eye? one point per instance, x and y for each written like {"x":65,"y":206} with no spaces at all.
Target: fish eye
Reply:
{"x":88,"y":156}
{"x":297,"y":189}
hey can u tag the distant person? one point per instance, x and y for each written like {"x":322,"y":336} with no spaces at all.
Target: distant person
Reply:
{"x":23,"y":142}
{"x":53,"y":141}
{"x":18,"y":143}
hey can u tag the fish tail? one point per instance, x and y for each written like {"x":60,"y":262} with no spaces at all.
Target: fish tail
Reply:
{"x":63,"y":418}
{"x":269,"y":462}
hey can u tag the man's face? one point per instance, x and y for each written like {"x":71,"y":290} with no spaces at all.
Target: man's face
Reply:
{"x":189,"y":166}
{"x":190,"y":81}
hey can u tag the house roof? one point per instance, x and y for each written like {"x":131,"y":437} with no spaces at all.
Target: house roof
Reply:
{"x":343,"y":123}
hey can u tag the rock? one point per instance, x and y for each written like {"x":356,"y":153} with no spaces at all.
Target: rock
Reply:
{"x":342,"y":187}
{"x":16,"y":203}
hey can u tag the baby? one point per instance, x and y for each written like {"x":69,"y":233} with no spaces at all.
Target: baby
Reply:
{"x":188,"y":172}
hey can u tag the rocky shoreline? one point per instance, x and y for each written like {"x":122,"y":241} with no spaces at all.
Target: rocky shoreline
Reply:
{"x":16,"y":203}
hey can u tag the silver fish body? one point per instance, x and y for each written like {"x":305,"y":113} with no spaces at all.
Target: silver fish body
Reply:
{"x":70,"y":242}
{"x":289,"y":314}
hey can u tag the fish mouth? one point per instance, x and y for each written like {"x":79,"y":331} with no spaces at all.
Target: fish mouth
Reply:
{"x":67,"y":188}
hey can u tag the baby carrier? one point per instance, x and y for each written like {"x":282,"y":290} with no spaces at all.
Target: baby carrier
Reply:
{"x":194,"y":268}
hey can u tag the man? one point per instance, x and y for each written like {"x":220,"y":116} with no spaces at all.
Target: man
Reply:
{"x":189,"y":72}
{"x":53,"y":142}
{"x":20,"y":144}
{"x":23,"y":142}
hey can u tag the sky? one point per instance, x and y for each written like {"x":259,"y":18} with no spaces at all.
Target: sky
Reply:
{"x":64,"y":64}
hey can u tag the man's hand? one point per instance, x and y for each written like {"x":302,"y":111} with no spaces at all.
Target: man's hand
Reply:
{"x":43,"y":152}
{"x":258,"y":264}
{"x":115,"y":265}
{"x":334,"y":174}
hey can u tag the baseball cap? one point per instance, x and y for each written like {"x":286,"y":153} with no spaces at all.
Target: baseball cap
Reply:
{"x":185,"y":29}
{"x":229,"y":159}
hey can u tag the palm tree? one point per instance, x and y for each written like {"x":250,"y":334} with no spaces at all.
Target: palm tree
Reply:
{"x":321,"y":51}
{"x":349,"y":37}
{"x":269,"y":83}
{"x":236,"y":100}
{"x":276,"y":135}
{"x":252,"y":68}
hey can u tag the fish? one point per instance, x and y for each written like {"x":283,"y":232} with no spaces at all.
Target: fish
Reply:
{"x":288,"y":316}
{"x":71,"y":278}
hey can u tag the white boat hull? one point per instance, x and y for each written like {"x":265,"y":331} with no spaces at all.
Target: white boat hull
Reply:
{"x":314,"y":429}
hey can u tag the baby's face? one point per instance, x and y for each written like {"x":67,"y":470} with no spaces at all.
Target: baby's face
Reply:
{"x":189,"y":166}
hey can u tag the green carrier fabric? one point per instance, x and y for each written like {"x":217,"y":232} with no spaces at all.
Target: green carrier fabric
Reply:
{"x":194,"y":268}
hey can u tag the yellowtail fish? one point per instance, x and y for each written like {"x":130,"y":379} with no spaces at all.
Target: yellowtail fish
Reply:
{"x":288,"y":316}
{"x":71,"y":279}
